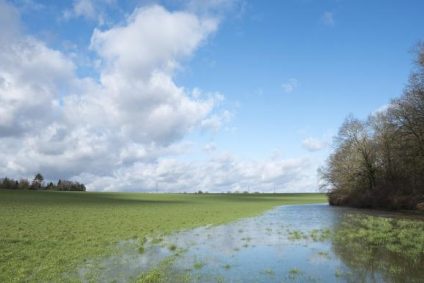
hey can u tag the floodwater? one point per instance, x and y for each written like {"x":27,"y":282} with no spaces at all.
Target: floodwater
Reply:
{"x":286,"y":244}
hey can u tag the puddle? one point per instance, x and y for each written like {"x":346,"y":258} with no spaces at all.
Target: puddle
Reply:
{"x":286,"y":244}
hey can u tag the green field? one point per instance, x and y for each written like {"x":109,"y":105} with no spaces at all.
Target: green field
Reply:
{"x":43,"y":235}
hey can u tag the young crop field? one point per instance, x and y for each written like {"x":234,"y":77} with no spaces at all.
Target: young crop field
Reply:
{"x":44,"y":235}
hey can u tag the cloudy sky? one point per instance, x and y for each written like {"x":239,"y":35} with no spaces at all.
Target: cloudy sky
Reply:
{"x":209,"y":95}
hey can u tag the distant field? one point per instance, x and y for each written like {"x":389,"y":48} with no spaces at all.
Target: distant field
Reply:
{"x":45,"y":234}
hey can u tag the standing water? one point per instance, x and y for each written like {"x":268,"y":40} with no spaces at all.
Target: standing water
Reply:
{"x":287,"y":244}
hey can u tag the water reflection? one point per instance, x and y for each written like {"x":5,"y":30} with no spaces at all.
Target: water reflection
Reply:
{"x":289,"y":243}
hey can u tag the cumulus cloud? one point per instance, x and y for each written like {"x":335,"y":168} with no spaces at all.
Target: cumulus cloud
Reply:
{"x":327,"y":19}
{"x":69,"y":125}
{"x":30,"y":76}
{"x":124,"y":128}
{"x":290,"y":85}
{"x":221,"y":173}
{"x":153,"y":39}
{"x":314,"y":144}
{"x":216,"y":121}
{"x":138,"y":64}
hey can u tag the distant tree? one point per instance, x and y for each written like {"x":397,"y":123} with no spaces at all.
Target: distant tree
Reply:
{"x":64,"y":185}
{"x":50,"y":186}
{"x":5,"y":183}
{"x":37,"y":182}
{"x":23,"y":184}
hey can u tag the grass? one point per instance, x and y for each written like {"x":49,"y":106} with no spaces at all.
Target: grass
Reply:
{"x":398,"y":236}
{"x":393,"y":247}
{"x":44,"y":235}
{"x":141,"y":249}
{"x":172,"y":247}
{"x":319,"y":235}
{"x":297,"y":235}
{"x":227,"y":266}
{"x":161,"y":274}
{"x":316,"y":235}
{"x":198,"y":265}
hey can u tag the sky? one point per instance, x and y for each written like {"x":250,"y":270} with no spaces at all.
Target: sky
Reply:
{"x":181,"y":96}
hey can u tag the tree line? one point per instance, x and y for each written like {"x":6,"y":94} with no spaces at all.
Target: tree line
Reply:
{"x":379,"y":162}
{"x":38,"y":184}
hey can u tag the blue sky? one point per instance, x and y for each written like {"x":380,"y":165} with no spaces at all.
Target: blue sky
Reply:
{"x":354,"y":65}
{"x":257,"y":88}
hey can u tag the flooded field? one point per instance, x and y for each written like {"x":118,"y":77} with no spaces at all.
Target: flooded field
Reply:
{"x":299,"y":243}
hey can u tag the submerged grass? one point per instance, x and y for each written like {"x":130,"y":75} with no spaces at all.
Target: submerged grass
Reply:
{"x":227,"y":266}
{"x":393,"y":247}
{"x":198,"y":265}
{"x":294,"y":273}
{"x":316,"y":235}
{"x":163,"y":273}
{"x":44,"y":235}
{"x":172,"y":247}
{"x":398,"y":236}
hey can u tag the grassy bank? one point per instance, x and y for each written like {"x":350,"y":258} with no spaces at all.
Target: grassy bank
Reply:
{"x":45,"y":234}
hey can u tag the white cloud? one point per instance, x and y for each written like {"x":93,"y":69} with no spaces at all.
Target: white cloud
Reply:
{"x":327,"y":18}
{"x":153,"y":39}
{"x":92,"y":10}
{"x":314,"y":144}
{"x":138,"y":65}
{"x":84,"y":8}
{"x":30,"y":76}
{"x":290,"y":85}
{"x":66,"y":125}
{"x":81,"y":8}
{"x":221,"y":173}
{"x":209,"y":147}
{"x":216,"y":121}
{"x":124,"y":131}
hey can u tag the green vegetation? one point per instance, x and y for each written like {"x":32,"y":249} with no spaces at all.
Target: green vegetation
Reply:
{"x":44,"y":235}
{"x":379,"y":163}
{"x":392,"y":247}
{"x":316,"y":235}
{"x":172,"y":247}
{"x":198,"y":265}
{"x":227,"y":266}
{"x":141,"y":249}
{"x":319,"y":235}
{"x":162,"y":273}
{"x":399,"y":236}
{"x":297,"y":235}
{"x":294,"y":273}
